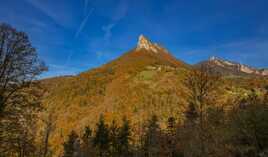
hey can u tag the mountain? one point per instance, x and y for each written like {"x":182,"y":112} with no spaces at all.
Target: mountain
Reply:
{"x":144,"y":81}
{"x":144,"y":54}
{"x":232,"y":68}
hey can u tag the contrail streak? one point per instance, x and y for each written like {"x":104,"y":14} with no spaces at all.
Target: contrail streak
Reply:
{"x":81,"y":27}
{"x":85,"y":7}
{"x":83,"y":23}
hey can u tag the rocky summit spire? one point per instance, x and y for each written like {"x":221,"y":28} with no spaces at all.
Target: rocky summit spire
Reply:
{"x":145,"y":43}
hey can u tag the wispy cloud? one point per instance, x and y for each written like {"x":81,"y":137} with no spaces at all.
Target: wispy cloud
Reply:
{"x":108,"y":31}
{"x":119,"y":13}
{"x":83,"y":23}
{"x":61,"y":13}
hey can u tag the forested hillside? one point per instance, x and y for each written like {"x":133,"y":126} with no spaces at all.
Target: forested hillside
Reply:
{"x":145,"y":103}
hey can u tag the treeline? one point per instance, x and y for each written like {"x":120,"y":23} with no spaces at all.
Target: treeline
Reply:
{"x":239,"y":132}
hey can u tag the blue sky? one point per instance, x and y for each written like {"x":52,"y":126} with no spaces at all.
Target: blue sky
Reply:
{"x":72,"y":36}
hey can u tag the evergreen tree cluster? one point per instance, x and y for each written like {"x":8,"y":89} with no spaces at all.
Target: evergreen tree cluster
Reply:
{"x":107,"y":141}
{"x":239,"y":132}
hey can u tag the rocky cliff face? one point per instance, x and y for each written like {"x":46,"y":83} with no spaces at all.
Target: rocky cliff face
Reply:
{"x":146,"y":44}
{"x":234,"y":68}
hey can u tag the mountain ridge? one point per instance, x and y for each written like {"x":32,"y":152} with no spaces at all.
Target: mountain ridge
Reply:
{"x":231,"y":67}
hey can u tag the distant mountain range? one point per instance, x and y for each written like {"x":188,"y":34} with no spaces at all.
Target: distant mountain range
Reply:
{"x":232,"y":68}
{"x":144,"y":81}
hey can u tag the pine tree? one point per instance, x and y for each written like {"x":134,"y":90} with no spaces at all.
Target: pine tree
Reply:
{"x":124,"y":138}
{"x":71,"y":146}
{"x":87,"y":133}
{"x":171,"y":136}
{"x":87,"y":147}
{"x":114,"y":139}
{"x":151,"y":145}
{"x":101,"y":140}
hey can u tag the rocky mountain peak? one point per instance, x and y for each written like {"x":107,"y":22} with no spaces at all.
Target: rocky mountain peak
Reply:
{"x":145,"y":43}
{"x":237,"y":67}
{"x":218,"y":60}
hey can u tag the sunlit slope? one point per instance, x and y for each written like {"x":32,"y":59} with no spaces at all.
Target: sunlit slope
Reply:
{"x":144,"y":81}
{"x":138,"y":84}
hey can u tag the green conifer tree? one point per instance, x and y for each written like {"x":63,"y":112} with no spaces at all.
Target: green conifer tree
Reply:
{"x":87,"y":143}
{"x":114,"y":139}
{"x":70,"y":146}
{"x":151,"y":144}
{"x":124,"y":138}
{"x":101,"y":140}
